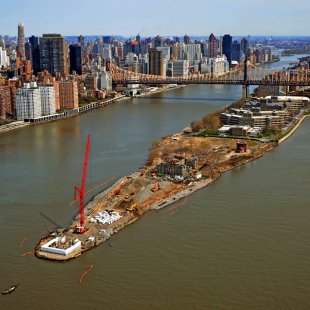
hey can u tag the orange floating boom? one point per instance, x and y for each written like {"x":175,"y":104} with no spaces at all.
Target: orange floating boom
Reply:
{"x":23,"y":241}
{"x":85,"y":273}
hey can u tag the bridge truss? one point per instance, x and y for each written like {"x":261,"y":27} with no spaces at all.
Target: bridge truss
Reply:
{"x":238,"y":76}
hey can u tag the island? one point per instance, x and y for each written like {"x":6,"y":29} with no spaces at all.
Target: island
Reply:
{"x":177,"y":166}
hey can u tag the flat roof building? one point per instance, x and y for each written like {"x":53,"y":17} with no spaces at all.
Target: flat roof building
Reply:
{"x":68,"y":94}
{"x":28,"y":102}
{"x":53,"y":53}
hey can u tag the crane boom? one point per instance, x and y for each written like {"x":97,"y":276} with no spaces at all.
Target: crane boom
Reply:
{"x":81,"y":190}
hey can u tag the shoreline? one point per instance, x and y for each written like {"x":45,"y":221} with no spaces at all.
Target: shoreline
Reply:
{"x":83,"y":109}
{"x":293,"y":129}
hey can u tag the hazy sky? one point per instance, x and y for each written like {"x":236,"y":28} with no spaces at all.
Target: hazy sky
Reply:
{"x":163,"y":17}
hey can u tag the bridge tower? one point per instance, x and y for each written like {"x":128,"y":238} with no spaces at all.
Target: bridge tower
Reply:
{"x":245,"y":86}
{"x":287,"y":88}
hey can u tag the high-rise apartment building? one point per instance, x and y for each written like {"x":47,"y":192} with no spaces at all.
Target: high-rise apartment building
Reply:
{"x":106,"y":52}
{"x":236,"y":51}
{"x":186,"y":39}
{"x":2,"y":43}
{"x":21,"y":40}
{"x":158,"y":41}
{"x":75,"y":59}
{"x":227,"y":47}
{"x":192,"y":53}
{"x":104,"y":80}
{"x":48,"y":103}
{"x":53,"y":53}
{"x":34,"y":102}
{"x":27,"y":51}
{"x":221,"y":46}
{"x":91,"y":83}
{"x":56,"y":90}
{"x":107,"y":39}
{"x":215,"y":66}
{"x":4,"y":59}
{"x":68,"y":95}
{"x":35,"y":54}
{"x":180,"y":68}
{"x":81,"y":41}
{"x":166,"y":52}
{"x":28,"y":102}
{"x":213,"y":46}
{"x":244,"y":46}
{"x":138,"y":38}
{"x":7,"y":101}
{"x":176,"y":51}
{"x":156,"y":62}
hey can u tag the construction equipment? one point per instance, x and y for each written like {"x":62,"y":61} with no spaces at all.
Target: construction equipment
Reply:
{"x":133,"y":207}
{"x":81,"y":191}
{"x":129,"y":196}
{"x":156,"y":187}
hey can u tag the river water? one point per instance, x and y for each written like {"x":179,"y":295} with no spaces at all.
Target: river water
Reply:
{"x":241,"y":243}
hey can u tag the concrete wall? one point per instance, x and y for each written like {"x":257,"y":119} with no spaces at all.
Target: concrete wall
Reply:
{"x":46,"y":247}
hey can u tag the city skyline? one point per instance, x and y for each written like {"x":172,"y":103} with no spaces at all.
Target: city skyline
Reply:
{"x":167,"y":18}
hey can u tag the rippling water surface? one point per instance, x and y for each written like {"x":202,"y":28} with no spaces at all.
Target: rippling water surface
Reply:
{"x":241,"y":243}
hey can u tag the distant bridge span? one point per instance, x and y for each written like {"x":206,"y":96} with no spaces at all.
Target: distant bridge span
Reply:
{"x":251,"y":76}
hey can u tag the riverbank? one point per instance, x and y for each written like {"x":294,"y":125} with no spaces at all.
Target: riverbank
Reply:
{"x":293,"y":129}
{"x":12,"y":126}
{"x":60,"y":116}
{"x":75,"y":112}
{"x":268,"y":62}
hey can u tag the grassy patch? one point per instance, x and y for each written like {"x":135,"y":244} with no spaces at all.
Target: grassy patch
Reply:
{"x":271,"y":133}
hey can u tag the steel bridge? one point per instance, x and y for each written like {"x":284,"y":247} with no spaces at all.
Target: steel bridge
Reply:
{"x":252,"y":75}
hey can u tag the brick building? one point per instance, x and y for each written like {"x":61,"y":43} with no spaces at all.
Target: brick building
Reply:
{"x":68,"y":95}
{"x":7,"y":101}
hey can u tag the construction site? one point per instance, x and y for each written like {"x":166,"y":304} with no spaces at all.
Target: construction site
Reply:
{"x":177,"y":166}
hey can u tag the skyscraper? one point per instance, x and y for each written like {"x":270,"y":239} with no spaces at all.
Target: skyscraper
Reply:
{"x":35,"y":54}
{"x":75,"y":59}
{"x":227,"y":47}
{"x":2,"y":44}
{"x":138,"y":38}
{"x":21,"y":40}
{"x":158,"y":41}
{"x":213,"y":46}
{"x":236,"y":51}
{"x":166,"y":52}
{"x":81,"y":41}
{"x":186,"y":39}
{"x":156,"y":62}
{"x":221,"y":46}
{"x":192,"y":53}
{"x":4,"y":59}
{"x":27,"y":51}
{"x":244,"y":46}
{"x":107,"y":39}
{"x":53,"y":53}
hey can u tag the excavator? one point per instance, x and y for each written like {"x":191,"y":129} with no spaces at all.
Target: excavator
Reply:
{"x":133,"y":207}
{"x":129,"y":196}
{"x":156,"y":187}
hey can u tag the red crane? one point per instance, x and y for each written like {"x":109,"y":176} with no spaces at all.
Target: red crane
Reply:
{"x":81,"y":190}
